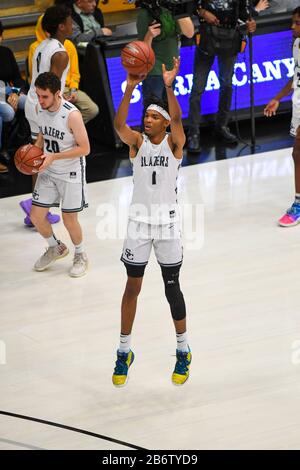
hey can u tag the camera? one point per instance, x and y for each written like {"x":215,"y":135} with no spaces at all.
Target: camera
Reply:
{"x":178,"y":8}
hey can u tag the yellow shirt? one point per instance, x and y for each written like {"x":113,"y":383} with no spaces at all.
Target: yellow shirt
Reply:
{"x":73,"y":77}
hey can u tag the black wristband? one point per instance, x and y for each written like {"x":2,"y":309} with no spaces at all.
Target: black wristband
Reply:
{"x":168,"y":86}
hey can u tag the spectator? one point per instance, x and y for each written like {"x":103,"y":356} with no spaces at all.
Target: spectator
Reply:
{"x":14,"y":92}
{"x":81,"y":100}
{"x":164,"y":39}
{"x":219,"y":36}
{"x":88,"y":21}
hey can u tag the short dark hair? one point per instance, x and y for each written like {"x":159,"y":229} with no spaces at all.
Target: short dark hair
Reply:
{"x":48,"y":81}
{"x":53,"y":17}
{"x":153,"y":99}
{"x":296,"y":11}
{"x":1,"y":28}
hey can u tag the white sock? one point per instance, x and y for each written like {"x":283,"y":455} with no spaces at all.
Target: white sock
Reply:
{"x":125,"y":341}
{"x":79,"y":248}
{"x":182,"y":342}
{"x":52,"y":241}
{"x":297,"y":198}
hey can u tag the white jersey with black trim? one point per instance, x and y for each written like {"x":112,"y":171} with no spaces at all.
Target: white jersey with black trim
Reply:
{"x":155,"y":172}
{"x":296,"y":81}
{"x":59,"y":138}
{"x":41,"y":63}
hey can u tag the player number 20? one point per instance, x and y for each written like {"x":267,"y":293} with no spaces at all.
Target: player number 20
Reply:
{"x":51,"y":146}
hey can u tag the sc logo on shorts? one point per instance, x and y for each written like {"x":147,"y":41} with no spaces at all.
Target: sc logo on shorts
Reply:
{"x":35,"y":195}
{"x":129,"y":255}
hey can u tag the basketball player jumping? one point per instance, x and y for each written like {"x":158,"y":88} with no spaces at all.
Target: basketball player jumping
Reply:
{"x":63,"y":137}
{"x":292,"y":215}
{"x":49,"y":56}
{"x":153,"y":218}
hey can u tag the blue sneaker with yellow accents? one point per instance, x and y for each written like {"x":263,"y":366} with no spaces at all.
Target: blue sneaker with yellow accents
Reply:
{"x":182,"y":367}
{"x":123,"y":362}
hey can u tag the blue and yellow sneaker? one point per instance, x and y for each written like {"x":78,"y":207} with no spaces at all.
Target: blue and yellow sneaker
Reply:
{"x":182,"y":366}
{"x":123,"y":362}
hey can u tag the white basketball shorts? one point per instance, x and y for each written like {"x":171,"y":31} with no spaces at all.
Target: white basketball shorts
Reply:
{"x":50,"y":192}
{"x":165,"y":239}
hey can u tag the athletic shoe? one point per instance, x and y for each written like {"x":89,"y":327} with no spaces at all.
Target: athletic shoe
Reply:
{"x":28,"y":222}
{"x":123,"y":362}
{"x":53,"y":218}
{"x":51,"y":254}
{"x":80,"y":265}
{"x":26,"y":206}
{"x":182,"y":366}
{"x":291,"y":217}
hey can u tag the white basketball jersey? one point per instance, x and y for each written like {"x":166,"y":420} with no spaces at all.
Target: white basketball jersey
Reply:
{"x":59,"y":138}
{"x":155,"y":172}
{"x":296,"y":82}
{"x":41,"y":63}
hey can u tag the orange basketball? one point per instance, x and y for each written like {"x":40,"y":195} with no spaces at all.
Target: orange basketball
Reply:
{"x":138,"y":58}
{"x":27,"y":159}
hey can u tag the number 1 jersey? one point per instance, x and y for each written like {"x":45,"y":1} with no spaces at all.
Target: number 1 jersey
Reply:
{"x":155,"y":172}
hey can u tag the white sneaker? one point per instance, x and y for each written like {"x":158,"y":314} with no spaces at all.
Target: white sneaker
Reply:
{"x":51,"y":254}
{"x":80,"y":265}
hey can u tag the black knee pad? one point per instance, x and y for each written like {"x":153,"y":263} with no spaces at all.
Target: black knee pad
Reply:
{"x":173,"y":293}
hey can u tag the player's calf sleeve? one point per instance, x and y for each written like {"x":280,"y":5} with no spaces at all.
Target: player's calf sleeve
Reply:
{"x":173,"y":292}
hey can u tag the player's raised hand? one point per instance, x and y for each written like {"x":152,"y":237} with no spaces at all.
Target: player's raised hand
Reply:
{"x":170,"y":75}
{"x":271,"y":108}
{"x":134,"y":80}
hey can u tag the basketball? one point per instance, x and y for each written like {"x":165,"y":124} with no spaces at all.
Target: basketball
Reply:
{"x":27,"y":159}
{"x":138,"y":58}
